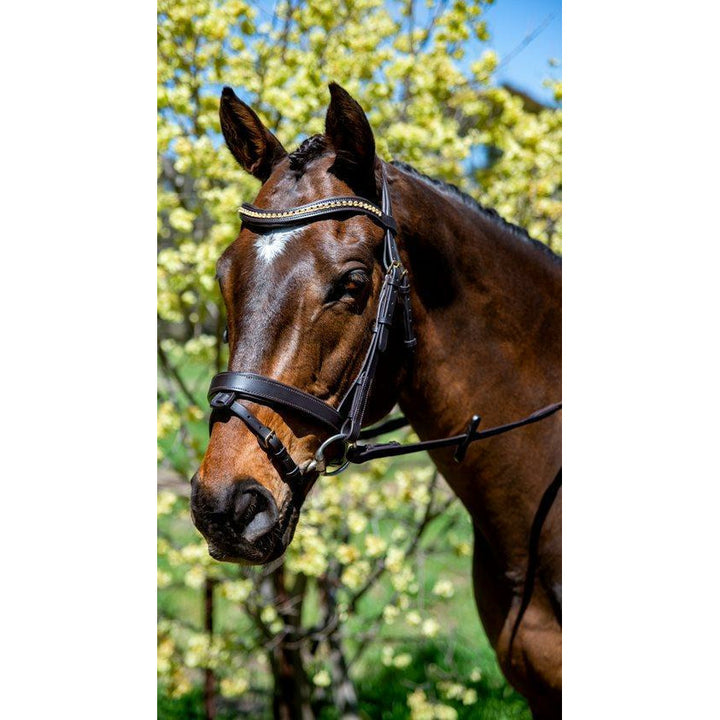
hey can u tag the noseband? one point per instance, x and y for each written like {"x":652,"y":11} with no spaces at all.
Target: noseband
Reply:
{"x":344,"y":424}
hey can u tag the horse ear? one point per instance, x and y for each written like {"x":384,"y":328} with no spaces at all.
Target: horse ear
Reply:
{"x":349,"y":131}
{"x":250,"y":142}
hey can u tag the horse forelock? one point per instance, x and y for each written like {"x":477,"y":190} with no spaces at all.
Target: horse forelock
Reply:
{"x":311,"y":148}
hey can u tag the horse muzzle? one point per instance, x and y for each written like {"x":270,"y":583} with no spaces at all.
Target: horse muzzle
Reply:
{"x":241,"y":521}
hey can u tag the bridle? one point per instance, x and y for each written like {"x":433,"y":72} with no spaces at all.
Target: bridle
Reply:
{"x":344,"y":423}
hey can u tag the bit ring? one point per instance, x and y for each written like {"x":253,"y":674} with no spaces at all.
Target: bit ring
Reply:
{"x":320,"y":456}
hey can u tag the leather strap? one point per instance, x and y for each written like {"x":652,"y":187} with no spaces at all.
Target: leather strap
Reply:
{"x":363,"y":453}
{"x":354,"y":403}
{"x":224,"y":405}
{"x":395,"y":287}
{"x":276,"y":395}
{"x":261,"y":218}
{"x":384,"y":427}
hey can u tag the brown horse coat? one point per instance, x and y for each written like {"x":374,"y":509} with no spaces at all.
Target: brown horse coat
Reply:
{"x":487,"y":305}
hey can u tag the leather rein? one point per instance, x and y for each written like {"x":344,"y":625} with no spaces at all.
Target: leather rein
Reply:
{"x":229,"y":389}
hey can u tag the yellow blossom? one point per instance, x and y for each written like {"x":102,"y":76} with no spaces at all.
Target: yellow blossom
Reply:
{"x":444,"y":588}
{"x":237,"y":590}
{"x":374,"y":545}
{"x":430,"y":627}
{"x":413,"y":618}
{"x":394,"y":559}
{"x":387,"y":655}
{"x":195,"y":577}
{"x":322,"y":678}
{"x":356,"y":522}
{"x":268,"y":614}
{"x":390,"y":613}
{"x":167,"y":419}
{"x":355,"y":575}
{"x":234,"y":686}
{"x":347,"y":554}
{"x":165,"y":502}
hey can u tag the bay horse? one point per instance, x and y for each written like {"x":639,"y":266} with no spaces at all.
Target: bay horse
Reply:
{"x":304,"y":304}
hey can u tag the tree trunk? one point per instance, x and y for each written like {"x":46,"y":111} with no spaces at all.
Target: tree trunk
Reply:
{"x":291,"y":697}
{"x":209,"y":687}
{"x":343,"y":689}
{"x":344,"y":693}
{"x":292,"y":690}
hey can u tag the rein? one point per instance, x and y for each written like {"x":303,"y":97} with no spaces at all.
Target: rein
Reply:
{"x":228,"y":389}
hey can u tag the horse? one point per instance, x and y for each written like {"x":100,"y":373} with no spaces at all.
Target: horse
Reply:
{"x":305,"y":302}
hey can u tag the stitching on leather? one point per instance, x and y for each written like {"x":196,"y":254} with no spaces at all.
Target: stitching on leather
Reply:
{"x":324,"y":411}
{"x":282,"y":387}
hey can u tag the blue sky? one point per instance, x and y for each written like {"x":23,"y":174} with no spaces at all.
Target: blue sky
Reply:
{"x":509,"y":23}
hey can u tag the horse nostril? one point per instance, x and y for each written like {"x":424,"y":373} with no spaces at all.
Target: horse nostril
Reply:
{"x":255,"y":512}
{"x":242,"y":503}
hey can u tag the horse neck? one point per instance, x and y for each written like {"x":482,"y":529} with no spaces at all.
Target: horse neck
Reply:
{"x":487,"y":307}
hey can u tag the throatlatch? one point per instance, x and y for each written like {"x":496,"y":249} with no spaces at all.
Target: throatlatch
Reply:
{"x":344,"y":424}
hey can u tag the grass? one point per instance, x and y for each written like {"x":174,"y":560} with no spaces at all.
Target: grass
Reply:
{"x":383,"y":693}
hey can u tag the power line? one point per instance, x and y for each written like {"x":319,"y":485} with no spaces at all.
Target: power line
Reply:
{"x":526,"y":40}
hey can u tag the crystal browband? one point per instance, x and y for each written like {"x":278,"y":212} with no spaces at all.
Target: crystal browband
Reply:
{"x":257,"y":217}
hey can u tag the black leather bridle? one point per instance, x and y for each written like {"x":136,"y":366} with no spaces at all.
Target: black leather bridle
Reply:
{"x":344,"y":424}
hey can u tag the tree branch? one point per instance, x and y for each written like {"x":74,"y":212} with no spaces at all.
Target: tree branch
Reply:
{"x":175,"y":375}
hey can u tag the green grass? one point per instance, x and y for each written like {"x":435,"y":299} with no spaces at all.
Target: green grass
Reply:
{"x":187,"y":707}
{"x":384,"y":692}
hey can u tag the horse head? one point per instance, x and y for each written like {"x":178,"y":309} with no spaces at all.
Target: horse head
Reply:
{"x":301,"y":305}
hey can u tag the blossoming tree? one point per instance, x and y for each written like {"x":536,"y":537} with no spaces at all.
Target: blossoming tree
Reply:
{"x":292,"y":639}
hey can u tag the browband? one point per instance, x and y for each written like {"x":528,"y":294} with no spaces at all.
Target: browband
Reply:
{"x":257,"y":217}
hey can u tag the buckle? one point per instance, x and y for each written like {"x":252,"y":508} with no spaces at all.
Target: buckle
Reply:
{"x":463,"y":446}
{"x":222,"y":399}
{"x":271,"y":442}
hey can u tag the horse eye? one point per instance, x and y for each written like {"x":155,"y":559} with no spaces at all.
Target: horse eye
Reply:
{"x":354,"y":282}
{"x":351,"y":284}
